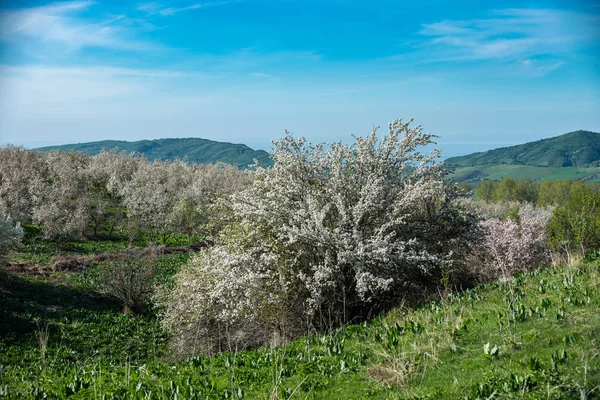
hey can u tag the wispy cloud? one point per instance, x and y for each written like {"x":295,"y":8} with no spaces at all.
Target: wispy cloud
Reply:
{"x":538,"y":68}
{"x":510,"y":35}
{"x":155,"y":8}
{"x":29,"y":85}
{"x":62,"y":23}
{"x":46,"y":72}
{"x":44,"y":89}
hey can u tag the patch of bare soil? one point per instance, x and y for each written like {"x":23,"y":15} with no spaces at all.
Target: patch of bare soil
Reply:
{"x":78,"y":262}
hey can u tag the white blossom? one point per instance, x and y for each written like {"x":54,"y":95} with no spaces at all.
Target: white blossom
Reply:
{"x":338,"y":232}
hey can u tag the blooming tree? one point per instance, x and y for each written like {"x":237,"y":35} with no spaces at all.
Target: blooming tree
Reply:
{"x":18,"y":169}
{"x":59,"y":198}
{"x":72,"y":194}
{"x":153,"y":192}
{"x":331,"y":233}
{"x":10,"y":233}
{"x":195,"y":211}
{"x":515,"y":244}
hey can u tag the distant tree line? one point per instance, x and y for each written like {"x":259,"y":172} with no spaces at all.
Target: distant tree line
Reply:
{"x":541,"y":194}
{"x":72,"y":195}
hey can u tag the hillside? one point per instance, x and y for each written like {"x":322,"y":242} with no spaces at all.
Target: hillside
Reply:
{"x":60,"y":338}
{"x":574,"y":149}
{"x":193,"y":150}
{"x":497,"y":172}
{"x":574,"y":155}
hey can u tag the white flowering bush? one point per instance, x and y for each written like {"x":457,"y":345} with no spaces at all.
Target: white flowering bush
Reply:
{"x":58,"y":194}
{"x":152,"y":193}
{"x":331,"y":233}
{"x":71,"y":195}
{"x":228,"y":298}
{"x":10,"y":232}
{"x":18,"y":169}
{"x":195,"y":211}
{"x":514,"y":244}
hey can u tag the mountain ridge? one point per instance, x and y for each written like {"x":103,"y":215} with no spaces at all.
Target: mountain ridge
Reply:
{"x":193,"y":150}
{"x":573,"y":155}
{"x":579,"y":148}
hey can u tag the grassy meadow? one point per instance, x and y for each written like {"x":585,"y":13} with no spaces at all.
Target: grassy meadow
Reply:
{"x":535,"y":336}
{"x":496,"y":172}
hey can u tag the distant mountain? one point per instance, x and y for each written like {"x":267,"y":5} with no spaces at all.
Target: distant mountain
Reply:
{"x":574,"y":155}
{"x":193,"y":150}
{"x":574,"y":149}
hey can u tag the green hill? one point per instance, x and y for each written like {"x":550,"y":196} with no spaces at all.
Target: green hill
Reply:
{"x":193,"y":150}
{"x":574,"y":155}
{"x":574,"y":149}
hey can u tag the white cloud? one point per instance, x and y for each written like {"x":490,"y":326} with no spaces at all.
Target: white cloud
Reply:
{"x":61,"y":23}
{"x":155,"y":8}
{"x":539,"y":68}
{"x":510,"y":35}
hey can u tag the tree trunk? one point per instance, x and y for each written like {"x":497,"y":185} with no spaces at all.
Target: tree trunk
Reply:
{"x":127,"y":309}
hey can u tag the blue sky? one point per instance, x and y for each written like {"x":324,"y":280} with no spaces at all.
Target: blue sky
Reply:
{"x":480,"y":74}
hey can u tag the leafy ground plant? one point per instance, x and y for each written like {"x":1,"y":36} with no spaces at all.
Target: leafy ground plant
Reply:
{"x":89,"y":349}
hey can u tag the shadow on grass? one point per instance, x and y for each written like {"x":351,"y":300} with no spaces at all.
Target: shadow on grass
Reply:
{"x":29,"y":304}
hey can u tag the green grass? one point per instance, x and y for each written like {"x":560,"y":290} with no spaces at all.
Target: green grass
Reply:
{"x":60,"y":339}
{"x":497,"y":172}
{"x":41,"y":251}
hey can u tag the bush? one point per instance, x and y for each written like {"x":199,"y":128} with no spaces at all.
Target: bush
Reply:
{"x":130,"y":281}
{"x":507,"y":190}
{"x":575,"y":226}
{"x":10,"y":233}
{"x":217,"y":304}
{"x":489,"y":210}
{"x":515,"y":243}
{"x":332,"y":233}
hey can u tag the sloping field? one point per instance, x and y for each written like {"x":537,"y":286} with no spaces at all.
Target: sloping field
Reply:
{"x":499,"y":171}
{"x":534,"y":336}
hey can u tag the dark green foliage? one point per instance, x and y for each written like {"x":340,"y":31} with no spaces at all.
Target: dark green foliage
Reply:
{"x":507,"y":190}
{"x":496,"y":172}
{"x":193,"y":150}
{"x":574,"y":149}
{"x":575,"y":225}
{"x":542,"y":194}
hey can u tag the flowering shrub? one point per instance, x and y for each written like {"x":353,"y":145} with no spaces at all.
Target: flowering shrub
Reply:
{"x":10,"y":233}
{"x":72,"y":195}
{"x":515,"y":243}
{"x":331,"y":233}
{"x":18,"y":169}
{"x":60,"y":195}
{"x":227,"y":299}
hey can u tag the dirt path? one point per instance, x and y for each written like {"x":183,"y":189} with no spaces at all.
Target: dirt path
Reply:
{"x":78,"y":262}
